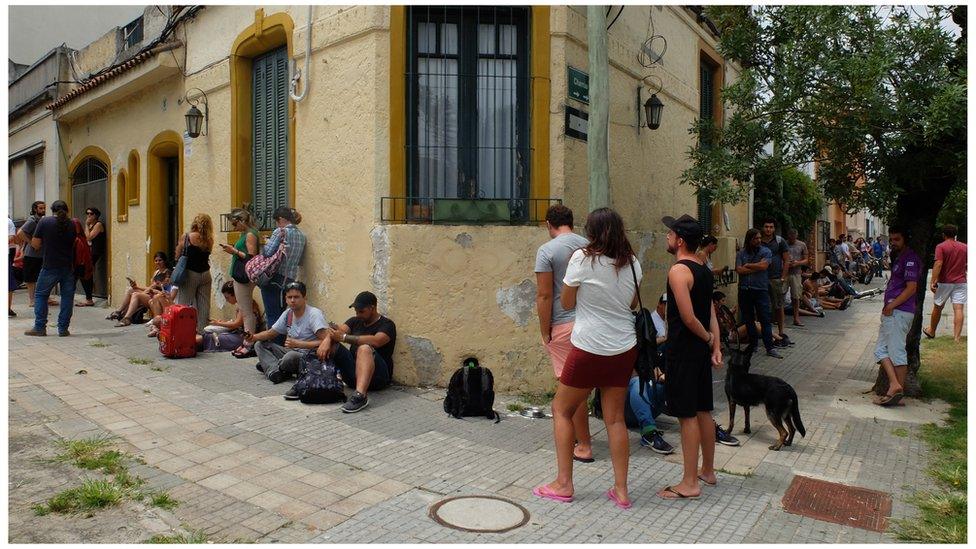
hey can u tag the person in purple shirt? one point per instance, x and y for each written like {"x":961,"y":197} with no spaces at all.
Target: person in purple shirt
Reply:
{"x":897,"y":316}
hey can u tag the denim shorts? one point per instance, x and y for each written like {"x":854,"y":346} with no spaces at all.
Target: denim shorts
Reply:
{"x":891,"y":337}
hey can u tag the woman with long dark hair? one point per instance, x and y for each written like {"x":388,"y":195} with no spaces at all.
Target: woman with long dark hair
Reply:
{"x":247,"y":246}
{"x":95,"y":235}
{"x":55,"y":238}
{"x":601,"y":282}
{"x":289,"y":235}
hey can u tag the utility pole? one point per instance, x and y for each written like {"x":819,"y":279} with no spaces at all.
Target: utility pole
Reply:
{"x":599,"y":119}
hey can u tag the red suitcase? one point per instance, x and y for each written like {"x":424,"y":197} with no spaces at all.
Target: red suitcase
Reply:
{"x":178,"y":332}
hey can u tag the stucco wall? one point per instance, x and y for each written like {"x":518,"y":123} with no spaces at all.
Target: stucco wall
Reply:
{"x":453,"y":290}
{"x":30,"y":128}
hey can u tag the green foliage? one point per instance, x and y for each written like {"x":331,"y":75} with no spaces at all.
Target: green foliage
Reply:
{"x":876,"y":95}
{"x":954,"y":211}
{"x":787,"y":195}
{"x":140,"y":361}
{"x":538,"y":399}
{"x":91,"y":454}
{"x":943,"y":512}
{"x":900,"y":432}
{"x":92,"y":494}
{"x":162,"y":500}
{"x":181,"y":538}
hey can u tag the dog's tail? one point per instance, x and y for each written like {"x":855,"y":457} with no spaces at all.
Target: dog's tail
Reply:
{"x":795,"y":416}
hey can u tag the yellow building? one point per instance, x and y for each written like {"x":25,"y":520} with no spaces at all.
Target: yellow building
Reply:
{"x":423,"y":153}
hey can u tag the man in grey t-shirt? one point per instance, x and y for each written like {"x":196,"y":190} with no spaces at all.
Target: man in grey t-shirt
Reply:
{"x":304,"y":328}
{"x":798,"y":258}
{"x":32,"y":257}
{"x":556,"y":323}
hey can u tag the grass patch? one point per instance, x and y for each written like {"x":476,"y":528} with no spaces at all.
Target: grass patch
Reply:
{"x":942,"y":513}
{"x":538,"y":399}
{"x":92,"y":454}
{"x":140,"y":361}
{"x":191,"y":537}
{"x":97,"y":343}
{"x":92,"y":494}
{"x":727,"y":472}
{"x":516,"y":407}
{"x":158,"y":369}
{"x":162,"y":500}
{"x":900,"y":432}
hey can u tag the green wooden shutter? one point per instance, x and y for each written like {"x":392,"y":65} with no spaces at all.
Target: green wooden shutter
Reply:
{"x":270,"y":137}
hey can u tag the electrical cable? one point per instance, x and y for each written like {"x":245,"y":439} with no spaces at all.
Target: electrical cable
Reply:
{"x":615,"y":18}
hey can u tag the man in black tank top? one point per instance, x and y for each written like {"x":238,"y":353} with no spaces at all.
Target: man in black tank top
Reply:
{"x":692,"y":350}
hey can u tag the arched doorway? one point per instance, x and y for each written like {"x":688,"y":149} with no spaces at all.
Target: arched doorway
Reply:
{"x":164,"y":194}
{"x":89,"y":189}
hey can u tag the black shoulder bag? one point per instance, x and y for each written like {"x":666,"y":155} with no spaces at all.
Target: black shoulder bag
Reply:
{"x":647,"y":356}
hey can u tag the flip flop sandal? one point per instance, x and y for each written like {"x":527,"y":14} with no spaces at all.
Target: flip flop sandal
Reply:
{"x":545,"y":492}
{"x":701,"y":478}
{"x":582,"y":459}
{"x":84,"y":304}
{"x":676,"y":493}
{"x":612,"y":496}
{"x":891,"y":400}
{"x":799,"y":325}
{"x":123,"y":323}
{"x":928,"y":335}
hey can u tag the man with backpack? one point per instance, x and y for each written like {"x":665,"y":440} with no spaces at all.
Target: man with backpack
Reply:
{"x":368,"y":362}
{"x":304,"y":328}
{"x":777,"y":273}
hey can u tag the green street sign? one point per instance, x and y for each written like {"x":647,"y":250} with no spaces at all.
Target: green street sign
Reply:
{"x":579,"y":85}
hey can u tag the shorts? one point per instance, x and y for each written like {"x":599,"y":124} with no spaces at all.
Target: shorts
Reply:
{"x":891,"y":337}
{"x":12,"y":282}
{"x":32,"y":268}
{"x":345,"y":362}
{"x":585,"y":370}
{"x":796,"y":286}
{"x":776,"y":293}
{"x":946,"y":290}
{"x":689,"y":387}
{"x":559,"y":346}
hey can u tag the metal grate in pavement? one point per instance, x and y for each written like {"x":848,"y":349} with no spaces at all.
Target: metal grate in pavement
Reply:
{"x":838,"y":503}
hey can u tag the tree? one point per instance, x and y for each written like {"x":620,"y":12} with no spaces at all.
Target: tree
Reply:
{"x":787,"y":195}
{"x":870,"y":93}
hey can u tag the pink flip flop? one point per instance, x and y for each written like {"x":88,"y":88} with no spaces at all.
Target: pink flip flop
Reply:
{"x":612,"y":496}
{"x":545,"y":492}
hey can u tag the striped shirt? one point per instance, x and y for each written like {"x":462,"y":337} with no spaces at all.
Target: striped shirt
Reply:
{"x":295,"y":240}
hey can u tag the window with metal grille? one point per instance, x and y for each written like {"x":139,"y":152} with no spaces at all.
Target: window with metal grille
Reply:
{"x":270,"y":137}
{"x":706,"y":106}
{"x":132,"y":34}
{"x":467,"y":103}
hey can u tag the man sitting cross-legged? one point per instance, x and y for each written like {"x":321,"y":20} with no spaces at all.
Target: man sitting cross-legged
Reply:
{"x":304,"y":328}
{"x":368,"y":362}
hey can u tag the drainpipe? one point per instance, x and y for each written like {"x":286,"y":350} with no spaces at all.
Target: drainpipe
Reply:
{"x":297,"y":74}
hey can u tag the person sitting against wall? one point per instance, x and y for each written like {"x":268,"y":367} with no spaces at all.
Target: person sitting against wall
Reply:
{"x":227,"y":335}
{"x":160,"y":301}
{"x":368,"y":362}
{"x":304,"y":328}
{"x":154,"y":286}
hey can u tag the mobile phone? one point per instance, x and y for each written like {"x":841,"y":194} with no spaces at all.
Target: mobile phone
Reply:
{"x":131,"y":282}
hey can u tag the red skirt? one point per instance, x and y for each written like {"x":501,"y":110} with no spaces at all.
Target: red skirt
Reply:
{"x":585,"y":370}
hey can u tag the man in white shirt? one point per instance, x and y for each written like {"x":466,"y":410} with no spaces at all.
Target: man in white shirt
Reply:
{"x":660,"y":326}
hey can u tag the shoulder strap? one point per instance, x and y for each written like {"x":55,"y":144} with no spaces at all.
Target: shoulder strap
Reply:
{"x":289,"y":319}
{"x":633,"y":271}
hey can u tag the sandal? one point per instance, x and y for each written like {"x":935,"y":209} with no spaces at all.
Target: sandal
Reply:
{"x":612,"y":496}
{"x":123,"y":322}
{"x":928,"y":335}
{"x":546,"y":493}
{"x":890,"y":400}
{"x":244,"y":352}
{"x":677,"y":494}
{"x":85,"y":304}
{"x":701,"y":478}
{"x":114,"y":315}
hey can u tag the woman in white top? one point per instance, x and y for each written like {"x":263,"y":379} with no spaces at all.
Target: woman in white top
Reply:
{"x":600,"y":284}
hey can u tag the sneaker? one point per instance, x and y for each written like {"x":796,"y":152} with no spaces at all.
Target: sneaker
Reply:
{"x":65,"y":333}
{"x":36,"y":333}
{"x":773,"y":353}
{"x":656,"y":442}
{"x":722,"y":437}
{"x":277,"y":377}
{"x":356,"y":402}
{"x":259,"y":368}
{"x":781,"y":343}
{"x":786,"y":339}
{"x":292,"y":394}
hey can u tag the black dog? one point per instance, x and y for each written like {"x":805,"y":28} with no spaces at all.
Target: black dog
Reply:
{"x":746,"y":390}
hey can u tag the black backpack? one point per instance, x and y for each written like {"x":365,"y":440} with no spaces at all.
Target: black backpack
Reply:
{"x":319,"y":383}
{"x":471,"y":392}
{"x":647,"y":355}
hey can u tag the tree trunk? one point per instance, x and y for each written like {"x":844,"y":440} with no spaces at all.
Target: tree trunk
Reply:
{"x":599,"y":119}
{"x":917,"y":211}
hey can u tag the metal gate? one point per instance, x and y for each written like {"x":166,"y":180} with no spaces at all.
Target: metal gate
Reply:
{"x":89,"y":189}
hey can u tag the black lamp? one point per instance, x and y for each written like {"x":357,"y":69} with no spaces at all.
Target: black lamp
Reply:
{"x":652,"y":112}
{"x":197,"y":122}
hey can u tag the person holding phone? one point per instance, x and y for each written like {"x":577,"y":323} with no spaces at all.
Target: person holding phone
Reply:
{"x":141,"y":295}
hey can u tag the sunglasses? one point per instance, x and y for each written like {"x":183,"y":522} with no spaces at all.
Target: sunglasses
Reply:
{"x":294,"y":286}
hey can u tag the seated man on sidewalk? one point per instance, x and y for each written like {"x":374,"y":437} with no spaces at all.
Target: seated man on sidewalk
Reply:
{"x":368,"y":362}
{"x":304,"y":328}
{"x":640,"y":413}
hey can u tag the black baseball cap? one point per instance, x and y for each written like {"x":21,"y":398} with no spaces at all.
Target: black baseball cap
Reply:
{"x":685,"y":226}
{"x":363,"y":300}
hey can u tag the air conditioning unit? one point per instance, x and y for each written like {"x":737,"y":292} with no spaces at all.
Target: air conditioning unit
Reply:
{"x":459,"y":210}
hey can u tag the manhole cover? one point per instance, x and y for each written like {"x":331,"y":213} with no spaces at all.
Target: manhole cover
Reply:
{"x":838,"y":503}
{"x":479,"y":514}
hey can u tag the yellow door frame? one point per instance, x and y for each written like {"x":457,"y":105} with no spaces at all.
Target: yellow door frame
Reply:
{"x":166,"y":144}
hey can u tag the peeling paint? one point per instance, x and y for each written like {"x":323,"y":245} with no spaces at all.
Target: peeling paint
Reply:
{"x":465,"y":240}
{"x":380,"y":276}
{"x":518,"y":302}
{"x":427,"y":360}
{"x":217,"y":278}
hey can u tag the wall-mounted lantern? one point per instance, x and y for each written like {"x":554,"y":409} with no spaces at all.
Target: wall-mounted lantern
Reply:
{"x":197,"y":123}
{"x":653,"y":108}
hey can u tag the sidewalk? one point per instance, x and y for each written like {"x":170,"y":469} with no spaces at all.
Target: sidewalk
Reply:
{"x":246,"y":464}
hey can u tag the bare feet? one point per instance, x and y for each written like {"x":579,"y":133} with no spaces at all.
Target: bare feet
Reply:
{"x":709,"y":479}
